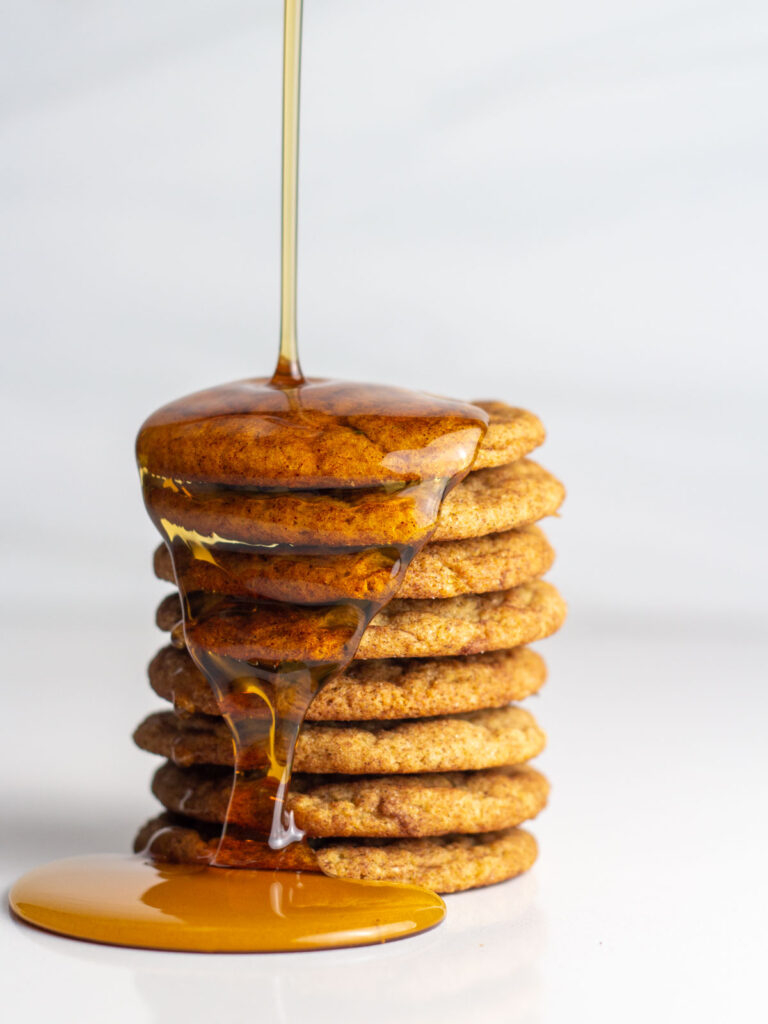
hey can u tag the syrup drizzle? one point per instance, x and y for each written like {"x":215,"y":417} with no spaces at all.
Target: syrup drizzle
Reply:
{"x":288,"y":370}
{"x":271,"y":612}
{"x":274,"y":621}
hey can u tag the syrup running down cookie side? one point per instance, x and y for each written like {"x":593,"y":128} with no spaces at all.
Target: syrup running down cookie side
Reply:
{"x":279,"y":619}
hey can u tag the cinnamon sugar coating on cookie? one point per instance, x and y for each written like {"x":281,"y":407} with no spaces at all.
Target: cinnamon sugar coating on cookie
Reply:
{"x":380,"y":806}
{"x":445,"y":569}
{"x":219,"y":436}
{"x":441,"y":863}
{"x":323,"y":435}
{"x":486,"y":501}
{"x":378,"y":689}
{"x":477,"y":739}
{"x":469,"y":624}
{"x":494,"y":500}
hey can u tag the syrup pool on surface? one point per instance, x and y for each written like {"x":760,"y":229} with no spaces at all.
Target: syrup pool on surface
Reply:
{"x":133,"y":901}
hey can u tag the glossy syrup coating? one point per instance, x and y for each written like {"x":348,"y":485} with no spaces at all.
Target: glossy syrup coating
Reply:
{"x":474,"y":566}
{"x":273,"y":620}
{"x":320,"y":434}
{"x":514,"y":493}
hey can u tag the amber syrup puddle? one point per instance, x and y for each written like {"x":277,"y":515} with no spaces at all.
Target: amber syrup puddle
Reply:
{"x":291,"y":509}
{"x":133,"y":901}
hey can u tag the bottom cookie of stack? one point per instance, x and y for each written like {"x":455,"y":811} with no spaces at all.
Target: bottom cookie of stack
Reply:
{"x":441,"y":863}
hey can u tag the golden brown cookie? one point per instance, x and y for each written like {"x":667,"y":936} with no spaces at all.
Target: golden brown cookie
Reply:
{"x":511,"y":434}
{"x":394,"y":688}
{"x":327,"y":435}
{"x":442,"y":863}
{"x":478,"y":739}
{"x":474,"y":566}
{"x":478,"y":565}
{"x":224,"y":443}
{"x":469,"y":624}
{"x":381,"y":806}
{"x":495,"y":500}
{"x":488,"y":501}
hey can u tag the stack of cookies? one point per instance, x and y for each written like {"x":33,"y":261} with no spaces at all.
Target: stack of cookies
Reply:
{"x":413,"y":765}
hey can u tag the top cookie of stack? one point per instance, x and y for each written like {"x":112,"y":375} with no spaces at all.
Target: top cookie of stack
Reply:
{"x":412,"y":763}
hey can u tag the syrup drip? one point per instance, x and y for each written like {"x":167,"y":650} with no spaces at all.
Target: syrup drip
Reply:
{"x":272,"y":610}
{"x":271,"y":620}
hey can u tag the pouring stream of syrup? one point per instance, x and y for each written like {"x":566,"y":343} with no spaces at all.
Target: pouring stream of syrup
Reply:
{"x":288,"y":370}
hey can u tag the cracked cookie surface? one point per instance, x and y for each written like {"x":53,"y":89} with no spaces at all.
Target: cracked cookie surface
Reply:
{"x":486,"y":501}
{"x":445,"y":569}
{"x":376,"y":689}
{"x":405,"y":628}
{"x":478,"y":739}
{"x":382,"y":806}
{"x":441,"y":863}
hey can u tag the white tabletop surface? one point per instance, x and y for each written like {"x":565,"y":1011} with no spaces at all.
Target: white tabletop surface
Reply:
{"x":648,"y":901}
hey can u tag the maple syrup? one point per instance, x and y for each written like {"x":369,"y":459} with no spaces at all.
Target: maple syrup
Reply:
{"x":292,"y":509}
{"x":132,"y":901}
{"x":278,"y":619}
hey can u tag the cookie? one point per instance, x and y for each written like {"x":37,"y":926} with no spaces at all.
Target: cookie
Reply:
{"x":495,"y":500}
{"x":468,"y":624}
{"x":488,"y":501}
{"x":441,"y":863}
{"x":226,"y":444}
{"x":379,"y":689}
{"x":446,"y":569}
{"x":478,"y":565}
{"x":382,"y":806}
{"x":478,"y":739}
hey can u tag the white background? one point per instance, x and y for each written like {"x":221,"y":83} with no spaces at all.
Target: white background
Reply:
{"x":562,"y":204}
